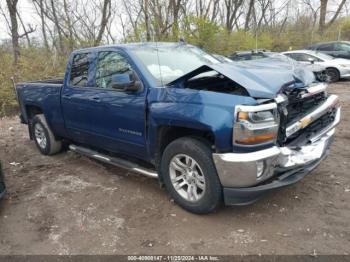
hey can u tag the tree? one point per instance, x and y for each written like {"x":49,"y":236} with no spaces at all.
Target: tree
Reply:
{"x":105,"y":15}
{"x":323,"y":12}
{"x":12,"y":9}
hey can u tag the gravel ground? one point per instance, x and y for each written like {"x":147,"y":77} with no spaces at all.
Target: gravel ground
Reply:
{"x":69,"y":204}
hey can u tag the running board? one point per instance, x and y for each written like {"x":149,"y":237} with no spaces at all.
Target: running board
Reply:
{"x":114,"y":161}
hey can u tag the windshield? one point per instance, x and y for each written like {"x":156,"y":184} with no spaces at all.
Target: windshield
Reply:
{"x":172,"y":63}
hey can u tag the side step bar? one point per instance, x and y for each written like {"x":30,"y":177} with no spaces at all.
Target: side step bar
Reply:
{"x":114,"y":161}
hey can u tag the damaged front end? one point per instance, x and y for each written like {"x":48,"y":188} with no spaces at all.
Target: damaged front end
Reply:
{"x":276,"y":141}
{"x":283,"y":138}
{"x":307,"y":119}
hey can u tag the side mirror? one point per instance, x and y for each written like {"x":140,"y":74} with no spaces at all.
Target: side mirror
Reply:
{"x":124,"y":82}
{"x":311,"y":60}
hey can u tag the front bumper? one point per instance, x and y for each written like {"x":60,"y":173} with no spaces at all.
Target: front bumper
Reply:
{"x":344,"y":72}
{"x":282,"y":166}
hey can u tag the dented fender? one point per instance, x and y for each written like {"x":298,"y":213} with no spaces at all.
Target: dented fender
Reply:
{"x":200,"y":110}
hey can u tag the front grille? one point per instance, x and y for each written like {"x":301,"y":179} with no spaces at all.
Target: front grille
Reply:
{"x":316,"y":126}
{"x":298,"y":107}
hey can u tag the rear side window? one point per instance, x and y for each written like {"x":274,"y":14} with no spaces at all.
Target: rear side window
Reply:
{"x":301,"y":57}
{"x":292,"y":55}
{"x":80,"y":70}
{"x":326,"y":47}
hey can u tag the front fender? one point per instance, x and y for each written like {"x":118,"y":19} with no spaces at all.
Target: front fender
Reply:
{"x":200,"y":110}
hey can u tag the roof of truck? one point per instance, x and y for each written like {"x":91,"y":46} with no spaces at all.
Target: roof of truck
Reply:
{"x":135,"y":45}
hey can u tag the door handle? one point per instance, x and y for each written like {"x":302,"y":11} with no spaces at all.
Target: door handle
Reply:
{"x":96,"y":99}
{"x":66,"y":96}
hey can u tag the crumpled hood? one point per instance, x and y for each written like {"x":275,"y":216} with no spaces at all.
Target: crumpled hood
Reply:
{"x":261,"y":80}
{"x":265,"y":80}
{"x":287,"y":64}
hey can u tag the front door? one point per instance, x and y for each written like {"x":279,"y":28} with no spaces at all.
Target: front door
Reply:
{"x":111,"y":119}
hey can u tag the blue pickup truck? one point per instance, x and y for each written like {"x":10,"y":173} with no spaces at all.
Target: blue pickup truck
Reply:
{"x":210,"y":132}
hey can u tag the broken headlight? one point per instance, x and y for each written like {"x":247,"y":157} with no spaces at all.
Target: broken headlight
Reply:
{"x":256,"y":125}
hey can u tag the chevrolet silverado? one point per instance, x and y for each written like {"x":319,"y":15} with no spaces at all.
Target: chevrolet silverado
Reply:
{"x":210,"y":132}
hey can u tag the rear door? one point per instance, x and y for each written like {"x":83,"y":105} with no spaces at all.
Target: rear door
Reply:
{"x":77,"y":98}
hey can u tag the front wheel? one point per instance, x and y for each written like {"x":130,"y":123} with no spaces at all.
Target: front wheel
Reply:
{"x":190,"y":176}
{"x":333,"y":75}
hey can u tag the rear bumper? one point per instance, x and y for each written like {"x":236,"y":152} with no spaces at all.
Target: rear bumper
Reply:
{"x":238,"y":173}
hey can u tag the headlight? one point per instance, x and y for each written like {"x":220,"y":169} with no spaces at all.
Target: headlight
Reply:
{"x":256,"y":125}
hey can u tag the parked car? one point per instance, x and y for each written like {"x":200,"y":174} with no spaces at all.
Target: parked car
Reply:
{"x":209,"y":131}
{"x":2,"y":182}
{"x":336,"y":68}
{"x":338,"y":49}
{"x":248,"y":55}
{"x":277,"y":58}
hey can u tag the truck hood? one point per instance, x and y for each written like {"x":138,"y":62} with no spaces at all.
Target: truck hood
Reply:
{"x":259,"y":79}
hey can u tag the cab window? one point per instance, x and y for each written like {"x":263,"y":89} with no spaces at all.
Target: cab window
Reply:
{"x":80,"y":70}
{"x":110,"y":65}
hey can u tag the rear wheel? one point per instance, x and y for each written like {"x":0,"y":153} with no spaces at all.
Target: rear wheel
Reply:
{"x":44,"y":137}
{"x":333,"y":74}
{"x":190,"y":176}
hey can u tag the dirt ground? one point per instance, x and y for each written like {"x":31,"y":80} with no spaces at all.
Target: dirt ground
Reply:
{"x":69,"y":204}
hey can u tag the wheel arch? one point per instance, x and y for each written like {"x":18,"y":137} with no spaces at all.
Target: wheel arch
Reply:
{"x":333,"y":67}
{"x":167,"y":134}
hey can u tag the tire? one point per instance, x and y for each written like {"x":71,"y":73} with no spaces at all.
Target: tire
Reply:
{"x":43,"y":136}
{"x":333,"y":74}
{"x":204,"y":197}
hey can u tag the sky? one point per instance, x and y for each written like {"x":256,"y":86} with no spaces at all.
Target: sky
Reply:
{"x":28,"y":14}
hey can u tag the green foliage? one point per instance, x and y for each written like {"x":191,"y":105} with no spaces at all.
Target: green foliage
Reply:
{"x":200,"y":32}
{"x":34,"y":64}
{"x":345,"y":28}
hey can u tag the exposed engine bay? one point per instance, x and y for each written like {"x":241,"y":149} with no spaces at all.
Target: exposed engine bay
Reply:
{"x":213,"y":81}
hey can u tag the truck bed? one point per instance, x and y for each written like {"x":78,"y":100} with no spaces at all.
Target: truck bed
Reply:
{"x":44,"y":95}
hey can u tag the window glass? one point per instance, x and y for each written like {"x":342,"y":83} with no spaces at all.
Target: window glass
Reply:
{"x":293,"y":56}
{"x":343,"y":47}
{"x":80,"y":70}
{"x":326,"y":47}
{"x":109,"y":66}
{"x":167,"y":64}
{"x":309,"y":57}
{"x":301,"y":57}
